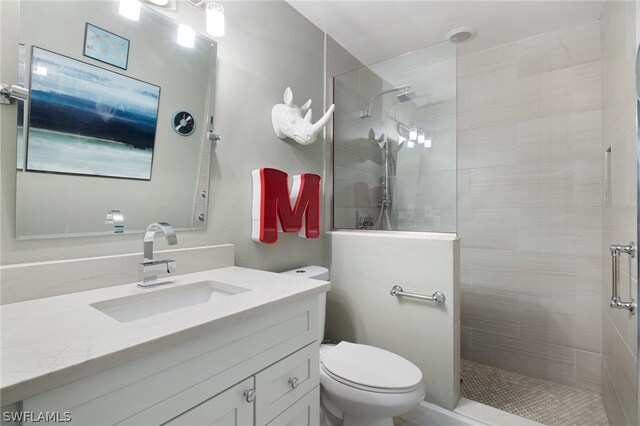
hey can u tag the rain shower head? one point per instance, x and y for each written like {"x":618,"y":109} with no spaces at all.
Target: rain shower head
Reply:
{"x":406,"y":95}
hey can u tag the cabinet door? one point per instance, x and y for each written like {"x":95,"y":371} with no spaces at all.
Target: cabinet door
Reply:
{"x":285,"y":382}
{"x":305,"y":412}
{"x":228,"y":408}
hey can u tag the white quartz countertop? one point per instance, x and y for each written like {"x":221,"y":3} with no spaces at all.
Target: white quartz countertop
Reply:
{"x":46,"y":343}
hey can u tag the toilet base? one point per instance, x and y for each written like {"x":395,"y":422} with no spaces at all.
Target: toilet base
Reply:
{"x":350,"y":420}
{"x":330,"y":415}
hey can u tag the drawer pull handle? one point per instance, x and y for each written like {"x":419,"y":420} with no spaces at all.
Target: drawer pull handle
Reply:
{"x":250,"y":395}
{"x":294,"y":382}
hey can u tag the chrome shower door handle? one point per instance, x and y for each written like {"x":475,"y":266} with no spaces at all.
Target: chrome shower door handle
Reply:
{"x":616,"y":251}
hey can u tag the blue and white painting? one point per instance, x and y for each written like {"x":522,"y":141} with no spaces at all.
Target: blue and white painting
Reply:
{"x":89,"y":121}
{"x":106,"y":46}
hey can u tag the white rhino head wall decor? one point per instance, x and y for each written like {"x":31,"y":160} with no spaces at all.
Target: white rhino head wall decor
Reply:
{"x":288,"y":120}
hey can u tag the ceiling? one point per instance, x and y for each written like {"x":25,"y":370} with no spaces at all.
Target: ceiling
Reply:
{"x":374,"y":31}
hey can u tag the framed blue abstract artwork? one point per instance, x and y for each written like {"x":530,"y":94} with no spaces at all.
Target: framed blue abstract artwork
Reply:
{"x":85,"y":120}
{"x":105,"y":46}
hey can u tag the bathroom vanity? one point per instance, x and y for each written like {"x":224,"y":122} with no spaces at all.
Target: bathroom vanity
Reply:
{"x":226,"y":346}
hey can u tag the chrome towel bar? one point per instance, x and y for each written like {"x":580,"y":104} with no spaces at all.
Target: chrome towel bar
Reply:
{"x":437,"y":297}
{"x":616,"y":251}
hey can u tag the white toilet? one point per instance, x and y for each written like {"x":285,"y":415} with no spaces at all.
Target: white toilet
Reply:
{"x":362,"y":385}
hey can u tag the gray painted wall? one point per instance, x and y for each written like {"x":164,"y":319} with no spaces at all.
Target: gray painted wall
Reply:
{"x":268,"y":46}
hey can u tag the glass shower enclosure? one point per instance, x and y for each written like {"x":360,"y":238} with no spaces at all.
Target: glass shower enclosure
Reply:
{"x":395,"y":144}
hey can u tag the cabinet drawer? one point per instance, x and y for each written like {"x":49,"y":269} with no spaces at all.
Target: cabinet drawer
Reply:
{"x":305,"y":412}
{"x":225,"y":409}
{"x":279,"y":386}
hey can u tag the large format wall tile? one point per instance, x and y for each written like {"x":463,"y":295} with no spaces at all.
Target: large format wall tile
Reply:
{"x":490,"y":312}
{"x":530,"y":197}
{"x":559,"y":49}
{"x":574,"y":324}
{"x":549,"y":362}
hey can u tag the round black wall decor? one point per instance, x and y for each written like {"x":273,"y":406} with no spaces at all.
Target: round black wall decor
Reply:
{"x":183,"y":123}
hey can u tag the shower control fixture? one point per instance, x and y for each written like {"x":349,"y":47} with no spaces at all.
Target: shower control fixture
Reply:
{"x":406,"y":95}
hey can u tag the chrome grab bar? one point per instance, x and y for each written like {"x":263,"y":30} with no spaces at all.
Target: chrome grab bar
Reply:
{"x":616,"y":301}
{"x":437,"y":297}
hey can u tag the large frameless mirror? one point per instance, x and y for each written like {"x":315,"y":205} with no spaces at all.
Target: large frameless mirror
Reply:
{"x":117,"y":119}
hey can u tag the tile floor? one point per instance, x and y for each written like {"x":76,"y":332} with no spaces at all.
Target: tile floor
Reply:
{"x":535,"y":399}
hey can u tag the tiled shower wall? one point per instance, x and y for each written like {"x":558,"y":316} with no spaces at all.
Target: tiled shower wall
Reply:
{"x":619,"y":328}
{"x":530,"y":205}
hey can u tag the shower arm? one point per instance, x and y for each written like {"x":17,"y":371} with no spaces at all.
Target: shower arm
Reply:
{"x":367,"y":113}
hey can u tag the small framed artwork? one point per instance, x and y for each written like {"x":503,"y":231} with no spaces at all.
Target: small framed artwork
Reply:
{"x":105,"y":46}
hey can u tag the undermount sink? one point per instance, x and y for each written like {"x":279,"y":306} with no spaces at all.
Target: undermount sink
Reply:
{"x":163,"y":300}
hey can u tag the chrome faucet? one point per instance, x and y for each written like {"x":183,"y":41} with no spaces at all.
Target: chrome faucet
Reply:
{"x":150,"y":269}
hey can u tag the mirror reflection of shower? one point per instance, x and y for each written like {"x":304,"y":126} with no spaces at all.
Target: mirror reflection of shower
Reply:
{"x":412,"y":135}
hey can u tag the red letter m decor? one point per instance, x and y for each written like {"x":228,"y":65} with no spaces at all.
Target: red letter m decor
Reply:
{"x":272,"y":202}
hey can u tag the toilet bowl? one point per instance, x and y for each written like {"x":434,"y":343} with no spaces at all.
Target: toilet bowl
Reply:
{"x":362,"y":385}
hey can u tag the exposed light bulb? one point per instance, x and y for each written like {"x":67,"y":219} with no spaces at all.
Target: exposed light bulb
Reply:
{"x":186,"y":36}
{"x":427,"y":142}
{"x":421,"y":137}
{"x":410,"y":144}
{"x":413,"y":134}
{"x":215,"y":19}
{"x":130,"y":9}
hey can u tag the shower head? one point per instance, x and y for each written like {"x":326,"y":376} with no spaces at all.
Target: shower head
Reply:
{"x":405,"y":96}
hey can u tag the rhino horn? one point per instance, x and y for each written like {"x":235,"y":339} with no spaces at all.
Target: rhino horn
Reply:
{"x":307,"y":116}
{"x":323,"y":121}
{"x":306,"y":106}
{"x":288,"y":96}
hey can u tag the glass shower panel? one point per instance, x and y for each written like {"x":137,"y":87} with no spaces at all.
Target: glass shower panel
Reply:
{"x":395,"y":144}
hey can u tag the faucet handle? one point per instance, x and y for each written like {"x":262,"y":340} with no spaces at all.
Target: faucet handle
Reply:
{"x":150,"y":269}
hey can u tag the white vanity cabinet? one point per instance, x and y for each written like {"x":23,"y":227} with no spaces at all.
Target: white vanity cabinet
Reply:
{"x":204,"y":378}
{"x":284,"y":393}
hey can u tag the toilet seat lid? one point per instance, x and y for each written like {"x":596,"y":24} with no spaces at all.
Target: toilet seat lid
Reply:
{"x":370,"y":367}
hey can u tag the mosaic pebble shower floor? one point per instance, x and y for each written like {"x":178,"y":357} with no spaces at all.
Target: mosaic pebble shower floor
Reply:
{"x":545,"y":402}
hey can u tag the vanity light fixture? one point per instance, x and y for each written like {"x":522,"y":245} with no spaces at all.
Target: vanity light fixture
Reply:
{"x":413,"y":134}
{"x":420,"y":137}
{"x":130,"y":9}
{"x":410,"y":144}
{"x":186,"y":36}
{"x":427,"y":142}
{"x":214,"y":17}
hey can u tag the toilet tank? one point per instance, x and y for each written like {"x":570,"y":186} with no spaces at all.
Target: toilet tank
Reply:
{"x":316,"y":273}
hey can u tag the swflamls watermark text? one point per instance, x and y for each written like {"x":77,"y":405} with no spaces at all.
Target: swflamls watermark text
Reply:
{"x":36,"y":416}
